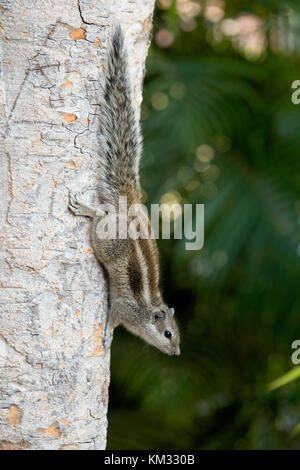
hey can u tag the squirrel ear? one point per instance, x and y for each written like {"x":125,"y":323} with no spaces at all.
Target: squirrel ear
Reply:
{"x":172,"y":311}
{"x":157,"y":316}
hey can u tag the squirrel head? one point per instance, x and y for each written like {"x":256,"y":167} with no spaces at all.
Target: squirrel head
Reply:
{"x":163,"y":331}
{"x":158,"y":328}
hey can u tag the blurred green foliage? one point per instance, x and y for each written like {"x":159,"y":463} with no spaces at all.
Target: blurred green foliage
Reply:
{"x":220,"y":129}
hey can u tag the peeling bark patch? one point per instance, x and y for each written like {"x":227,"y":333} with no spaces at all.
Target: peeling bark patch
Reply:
{"x":71,"y":164}
{"x":67,"y":84}
{"x":77,"y":33}
{"x":64,"y":422}
{"x":147,"y":25}
{"x":97,"y":352}
{"x":97,"y":42}
{"x":69,"y":117}
{"x":7,"y":445}
{"x":53,"y":431}
{"x":14,"y":416}
{"x":10,"y":187}
{"x":97,"y":338}
{"x":77,"y":312}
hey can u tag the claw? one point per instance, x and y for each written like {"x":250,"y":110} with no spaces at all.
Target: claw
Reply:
{"x":73,"y":203}
{"x":78,"y":207}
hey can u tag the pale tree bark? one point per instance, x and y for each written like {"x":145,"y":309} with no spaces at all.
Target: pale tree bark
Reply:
{"x":54,"y":372}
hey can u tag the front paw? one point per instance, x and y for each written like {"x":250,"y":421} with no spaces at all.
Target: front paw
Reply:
{"x":75,"y":203}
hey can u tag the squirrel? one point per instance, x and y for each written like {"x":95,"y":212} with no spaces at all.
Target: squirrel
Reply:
{"x":131,"y":265}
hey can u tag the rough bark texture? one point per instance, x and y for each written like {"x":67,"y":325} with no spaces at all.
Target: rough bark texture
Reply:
{"x":54,"y":373}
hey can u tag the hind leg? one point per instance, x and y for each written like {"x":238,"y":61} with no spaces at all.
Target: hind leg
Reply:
{"x":78,"y":207}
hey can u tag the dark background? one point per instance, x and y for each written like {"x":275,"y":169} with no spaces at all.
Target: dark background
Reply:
{"x":220,"y":129}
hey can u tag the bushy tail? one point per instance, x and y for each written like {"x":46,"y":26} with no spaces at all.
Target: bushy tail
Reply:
{"x":119,"y":136}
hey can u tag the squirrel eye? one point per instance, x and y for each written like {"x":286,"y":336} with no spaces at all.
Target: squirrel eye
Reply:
{"x":168,"y":334}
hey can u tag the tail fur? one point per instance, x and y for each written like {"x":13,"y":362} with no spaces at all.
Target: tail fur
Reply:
{"x":119,"y":133}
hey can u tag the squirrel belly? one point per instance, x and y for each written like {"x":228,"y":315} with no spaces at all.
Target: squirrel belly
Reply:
{"x":132,"y":263}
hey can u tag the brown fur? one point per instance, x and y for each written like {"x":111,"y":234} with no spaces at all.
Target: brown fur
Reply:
{"x":132,"y":266}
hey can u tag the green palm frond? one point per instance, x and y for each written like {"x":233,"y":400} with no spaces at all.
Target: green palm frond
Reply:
{"x":285,"y":379}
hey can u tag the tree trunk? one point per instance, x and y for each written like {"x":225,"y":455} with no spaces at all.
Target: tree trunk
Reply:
{"x":54,"y":373}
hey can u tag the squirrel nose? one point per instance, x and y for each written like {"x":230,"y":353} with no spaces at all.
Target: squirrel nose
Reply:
{"x":177,"y":351}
